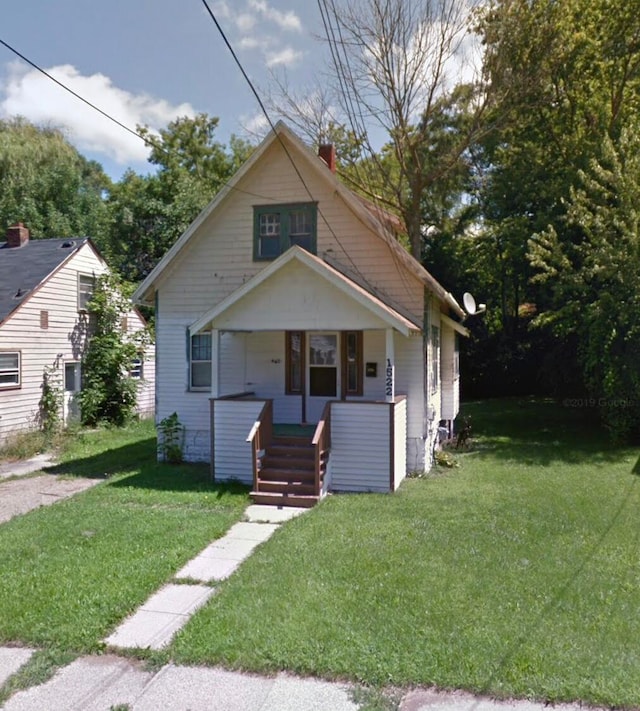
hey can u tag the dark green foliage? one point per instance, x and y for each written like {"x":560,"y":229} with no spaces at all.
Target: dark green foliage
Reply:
{"x":594,"y":279}
{"x":48,"y":185}
{"x":50,"y":401}
{"x":108,"y":393}
{"x":170,"y":435}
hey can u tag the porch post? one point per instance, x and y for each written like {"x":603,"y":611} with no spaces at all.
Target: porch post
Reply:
{"x":389,"y":383}
{"x":215,"y":363}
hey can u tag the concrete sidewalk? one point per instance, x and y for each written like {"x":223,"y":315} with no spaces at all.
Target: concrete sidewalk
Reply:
{"x":102,"y":683}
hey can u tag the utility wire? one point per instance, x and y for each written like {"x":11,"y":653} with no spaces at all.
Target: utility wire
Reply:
{"x":279,"y":138}
{"x":147,"y":141}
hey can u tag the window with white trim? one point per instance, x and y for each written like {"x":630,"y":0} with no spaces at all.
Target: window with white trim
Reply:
{"x":10,"y":369}
{"x":86,"y":287}
{"x":435,"y":358}
{"x":200,"y":361}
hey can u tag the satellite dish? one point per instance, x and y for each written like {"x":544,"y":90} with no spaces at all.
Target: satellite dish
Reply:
{"x":470,"y":305}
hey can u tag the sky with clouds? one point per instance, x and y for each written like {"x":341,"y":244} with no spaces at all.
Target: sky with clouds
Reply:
{"x":147,"y":62}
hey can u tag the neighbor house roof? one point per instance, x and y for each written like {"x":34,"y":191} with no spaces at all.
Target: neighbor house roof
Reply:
{"x":23,"y":269}
{"x":367,"y":212}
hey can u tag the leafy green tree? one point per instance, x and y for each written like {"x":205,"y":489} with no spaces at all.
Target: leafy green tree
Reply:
{"x":594,"y":278}
{"x":48,"y":185}
{"x":108,"y":392}
{"x":149,"y":213}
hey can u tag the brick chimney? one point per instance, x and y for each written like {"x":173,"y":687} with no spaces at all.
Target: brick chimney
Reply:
{"x":17,"y":235}
{"x":327,"y":151}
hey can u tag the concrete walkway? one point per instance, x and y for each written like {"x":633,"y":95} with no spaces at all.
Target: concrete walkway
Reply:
{"x":156,"y":622}
{"x":102,"y":683}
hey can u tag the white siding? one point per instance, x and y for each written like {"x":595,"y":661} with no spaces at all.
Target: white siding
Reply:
{"x":63,"y":341}
{"x":400,"y":442}
{"x":360,"y":447}
{"x":219,"y":259}
{"x":232,"y":421}
{"x":233,"y":363}
{"x":145,"y":405}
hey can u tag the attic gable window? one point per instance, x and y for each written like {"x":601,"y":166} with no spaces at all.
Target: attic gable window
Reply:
{"x":278,"y":227}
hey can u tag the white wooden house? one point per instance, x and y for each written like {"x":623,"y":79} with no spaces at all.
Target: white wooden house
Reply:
{"x":289,"y":302}
{"x":45,"y":285}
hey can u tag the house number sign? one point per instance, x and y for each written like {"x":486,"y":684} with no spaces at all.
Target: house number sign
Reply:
{"x":389,"y":384}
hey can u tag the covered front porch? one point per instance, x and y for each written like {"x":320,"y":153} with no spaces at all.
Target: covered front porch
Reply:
{"x":355,"y":446}
{"x":301,"y":344}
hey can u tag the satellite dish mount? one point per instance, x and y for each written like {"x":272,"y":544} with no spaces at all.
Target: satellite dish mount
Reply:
{"x":470,"y":305}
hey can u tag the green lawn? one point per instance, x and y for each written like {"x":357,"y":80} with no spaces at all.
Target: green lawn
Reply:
{"x":517,"y":573}
{"x":69,"y":573}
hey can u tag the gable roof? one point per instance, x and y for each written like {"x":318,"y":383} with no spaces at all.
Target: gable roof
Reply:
{"x":23,"y":269}
{"x":334,"y":278}
{"x":368,"y":214}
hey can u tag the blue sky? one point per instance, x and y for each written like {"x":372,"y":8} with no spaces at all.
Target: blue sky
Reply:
{"x":148,"y":61}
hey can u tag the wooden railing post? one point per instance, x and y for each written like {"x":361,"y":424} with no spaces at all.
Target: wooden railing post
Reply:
{"x":260,"y":437}
{"x":321,"y":444}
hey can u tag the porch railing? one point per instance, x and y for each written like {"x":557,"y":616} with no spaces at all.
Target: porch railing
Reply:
{"x":321,"y":443}
{"x":260,"y":438}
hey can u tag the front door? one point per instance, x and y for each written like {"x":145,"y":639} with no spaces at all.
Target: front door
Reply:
{"x":72,"y":385}
{"x":323,"y":372}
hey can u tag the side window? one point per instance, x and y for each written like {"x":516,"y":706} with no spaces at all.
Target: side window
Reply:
{"x":352,"y":361}
{"x":10,"y":369}
{"x":200,"y":362}
{"x":435,"y":358}
{"x":137,"y":368}
{"x":294,"y":359}
{"x":278,"y":227}
{"x":86,"y":287}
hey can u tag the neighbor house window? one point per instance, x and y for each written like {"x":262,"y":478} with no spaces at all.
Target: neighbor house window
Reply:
{"x":278,"y":227}
{"x":435,"y":358}
{"x":10,"y":369}
{"x":352,"y":362}
{"x":136,"y":369}
{"x":294,"y":362}
{"x":86,"y":287}
{"x":200,"y":361}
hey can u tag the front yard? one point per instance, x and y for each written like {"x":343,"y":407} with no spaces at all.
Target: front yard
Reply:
{"x":72,"y":571}
{"x":517,"y":573}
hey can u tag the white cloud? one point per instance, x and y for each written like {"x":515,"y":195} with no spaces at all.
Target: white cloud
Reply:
{"x":285,"y":57}
{"x":259,"y":24}
{"x":285,"y":20}
{"x":29,"y":93}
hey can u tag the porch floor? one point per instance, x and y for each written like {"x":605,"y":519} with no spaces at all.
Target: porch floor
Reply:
{"x":293,"y":430}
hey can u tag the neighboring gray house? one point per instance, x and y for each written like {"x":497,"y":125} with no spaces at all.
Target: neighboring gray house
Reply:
{"x":302,"y":315}
{"x":45,"y":285}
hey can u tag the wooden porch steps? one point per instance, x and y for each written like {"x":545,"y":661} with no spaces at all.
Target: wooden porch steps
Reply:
{"x":287,"y":474}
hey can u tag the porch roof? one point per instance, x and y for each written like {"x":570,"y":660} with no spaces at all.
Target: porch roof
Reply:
{"x":301,"y":291}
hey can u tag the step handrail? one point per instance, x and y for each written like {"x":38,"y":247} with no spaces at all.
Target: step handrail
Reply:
{"x":321,"y":443}
{"x":260,"y":436}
